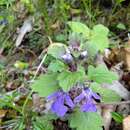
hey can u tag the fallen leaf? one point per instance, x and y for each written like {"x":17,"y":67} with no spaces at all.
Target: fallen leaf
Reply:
{"x":127,"y":55}
{"x":27,"y":27}
{"x":107,"y":117}
{"x":126,"y":123}
{"x":2,"y":113}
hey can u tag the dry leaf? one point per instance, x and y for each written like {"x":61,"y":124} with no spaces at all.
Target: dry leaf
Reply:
{"x":127,"y":58}
{"x":27,"y":27}
{"x":126,"y":123}
{"x":2,"y":113}
{"x":127,"y":55}
{"x":106,"y":114}
{"x":56,"y":25}
{"x":38,"y":103}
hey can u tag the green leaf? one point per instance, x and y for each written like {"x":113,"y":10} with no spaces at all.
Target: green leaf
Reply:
{"x":92,"y":50}
{"x":68,"y":79}
{"x":57,"y":66}
{"x":6,"y":2}
{"x":25,"y":1}
{"x":121,"y":26}
{"x":107,"y":95}
{"x":61,"y":38}
{"x":119,"y":1}
{"x":99,"y":37}
{"x":21,"y":65}
{"x":100,"y":30}
{"x":117,"y":117}
{"x":46,"y":84}
{"x":79,"y":28}
{"x":57,"y":50}
{"x":86,"y":121}
{"x":101,"y":74}
{"x":43,"y":123}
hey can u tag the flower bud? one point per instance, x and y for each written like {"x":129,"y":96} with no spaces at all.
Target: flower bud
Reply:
{"x":83,"y":54}
{"x":67,"y":58}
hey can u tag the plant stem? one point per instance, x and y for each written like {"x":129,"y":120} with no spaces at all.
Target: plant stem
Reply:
{"x":29,"y":95}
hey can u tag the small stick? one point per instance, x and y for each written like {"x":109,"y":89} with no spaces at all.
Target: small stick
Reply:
{"x":114,"y":103}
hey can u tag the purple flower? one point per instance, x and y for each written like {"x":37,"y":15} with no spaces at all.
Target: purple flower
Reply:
{"x":62,"y":102}
{"x":86,"y":100}
{"x":67,"y":58}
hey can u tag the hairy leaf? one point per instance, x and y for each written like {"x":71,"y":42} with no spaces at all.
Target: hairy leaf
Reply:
{"x":100,"y":30}
{"x":79,"y":28}
{"x":57,"y":50}
{"x":68,"y":79}
{"x":43,"y":123}
{"x":46,"y":84}
{"x":56,"y":66}
{"x":92,"y":50}
{"x":99,"y":37}
{"x":86,"y":121}
{"x":107,"y":95}
{"x":101,"y":74}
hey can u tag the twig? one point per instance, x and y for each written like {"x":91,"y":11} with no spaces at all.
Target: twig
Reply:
{"x":39,"y":67}
{"x":50,"y":40}
{"x":114,"y":103}
{"x":26,"y":101}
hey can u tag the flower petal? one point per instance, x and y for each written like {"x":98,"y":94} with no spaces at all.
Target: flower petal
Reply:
{"x":52,"y":96}
{"x":88,"y":107}
{"x":88,"y":92}
{"x":91,"y":94}
{"x":59,"y":108}
{"x":69,"y":101}
{"x":96,"y":96}
{"x":79,"y":98}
